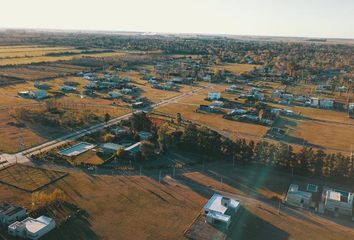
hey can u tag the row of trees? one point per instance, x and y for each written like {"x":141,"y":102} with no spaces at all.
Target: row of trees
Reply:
{"x":211,"y":144}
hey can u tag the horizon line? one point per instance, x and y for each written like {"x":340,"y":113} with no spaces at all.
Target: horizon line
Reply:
{"x":168,"y":33}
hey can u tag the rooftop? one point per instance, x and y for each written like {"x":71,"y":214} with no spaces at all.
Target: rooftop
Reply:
{"x":214,"y":204}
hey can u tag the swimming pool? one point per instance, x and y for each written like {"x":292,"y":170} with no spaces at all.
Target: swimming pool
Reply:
{"x":77,"y":149}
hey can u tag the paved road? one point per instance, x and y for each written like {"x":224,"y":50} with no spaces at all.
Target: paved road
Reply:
{"x":21,"y":157}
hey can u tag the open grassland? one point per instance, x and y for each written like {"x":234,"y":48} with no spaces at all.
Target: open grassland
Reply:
{"x":34,"y":134}
{"x":326,"y":129}
{"x":236,"y":68}
{"x":48,"y":59}
{"x":123,"y":207}
{"x":89,"y":157}
{"x":41,"y":72}
{"x":28,"y":178}
{"x":188,"y":106}
{"x":31,"y":51}
{"x":139,"y":207}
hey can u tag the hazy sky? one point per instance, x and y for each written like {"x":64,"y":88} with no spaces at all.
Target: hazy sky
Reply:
{"x":315,"y":18}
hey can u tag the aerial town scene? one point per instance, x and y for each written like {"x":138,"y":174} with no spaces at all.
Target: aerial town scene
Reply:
{"x":200,"y":120}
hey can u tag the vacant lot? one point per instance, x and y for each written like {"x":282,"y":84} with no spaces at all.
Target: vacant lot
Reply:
{"x":41,"y":72}
{"x":236,"y":68}
{"x":123,"y":207}
{"x":48,"y":59}
{"x":320,"y":128}
{"x":27,"y":178}
{"x":7,"y":52}
{"x":188,"y":106}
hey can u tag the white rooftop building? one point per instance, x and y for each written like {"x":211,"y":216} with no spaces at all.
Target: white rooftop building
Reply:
{"x":214,"y":95}
{"x":219,"y":210}
{"x":298,"y":198}
{"x":32,"y":228}
{"x":339,"y":202}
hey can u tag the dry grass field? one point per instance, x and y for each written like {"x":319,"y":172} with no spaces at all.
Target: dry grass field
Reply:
{"x":236,"y":68}
{"x":88,"y":157}
{"x":40,"y":72}
{"x":28,"y":178}
{"x":187,"y":107}
{"x":49,"y":59}
{"x":134,"y":207}
{"x":320,"y":128}
{"x":31,"y":51}
{"x":123,"y":207}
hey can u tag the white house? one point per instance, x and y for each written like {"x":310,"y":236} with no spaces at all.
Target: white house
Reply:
{"x":214,"y":95}
{"x":66,"y":88}
{"x":32,"y":228}
{"x":111,"y":148}
{"x":326,"y":103}
{"x":145,"y":135}
{"x":313,"y":102}
{"x":11,"y":213}
{"x":115,"y":95}
{"x":298,"y":198}
{"x":220,"y":209}
{"x":339,"y":202}
{"x":127,"y":91}
{"x":40,"y":94}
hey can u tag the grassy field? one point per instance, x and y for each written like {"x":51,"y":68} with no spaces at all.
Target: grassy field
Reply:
{"x":236,"y":68}
{"x":31,"y":51}
{"x":139,"y":207}
{"x":27,"y":178}
{"x":187,"y":107}
{"x":48,"y":59}
{"x":40,"y":72}
{"x":123,"y":207}
{"x":320,"y":128}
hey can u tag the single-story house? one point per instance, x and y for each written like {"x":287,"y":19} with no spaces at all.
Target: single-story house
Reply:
{"x":31,"y":228}
{"x":220,"y":209}
{"x":118,"y":131}
{"x":214,"y":95}
{"x":339,"y":202}
{"x":313,"y":102}
{"x":326,"y":103}
{"x":297,"y":197}
{"x":114,"y":95}
{"x":145,"y":135}
{"x":111,"y":148}
{"x":66,"y":88}
{"x":10,"y":213}
{"x":133,"y":149}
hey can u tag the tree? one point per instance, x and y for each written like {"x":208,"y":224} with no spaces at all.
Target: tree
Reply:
{"x":120,"y":152}
{"x":107,"y":117}
{"x":108,"y":137}
{"x":179,"y":118}
{"x":163,"y":138}
{"x":147,"y":149}
{"x":140,"y":122}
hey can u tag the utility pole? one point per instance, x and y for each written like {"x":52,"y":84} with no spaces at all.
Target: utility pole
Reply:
{"x":174,"y":171}
{"x":160,"y":176}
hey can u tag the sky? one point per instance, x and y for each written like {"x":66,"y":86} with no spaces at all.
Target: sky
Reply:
{"x":301,"y":18}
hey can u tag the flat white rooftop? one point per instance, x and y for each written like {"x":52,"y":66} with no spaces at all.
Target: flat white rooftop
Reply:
{"x":214,"y":204}
{"x":219,"y":216}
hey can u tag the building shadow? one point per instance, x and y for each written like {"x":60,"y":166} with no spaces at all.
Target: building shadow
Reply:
{"x":247,"y":226}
